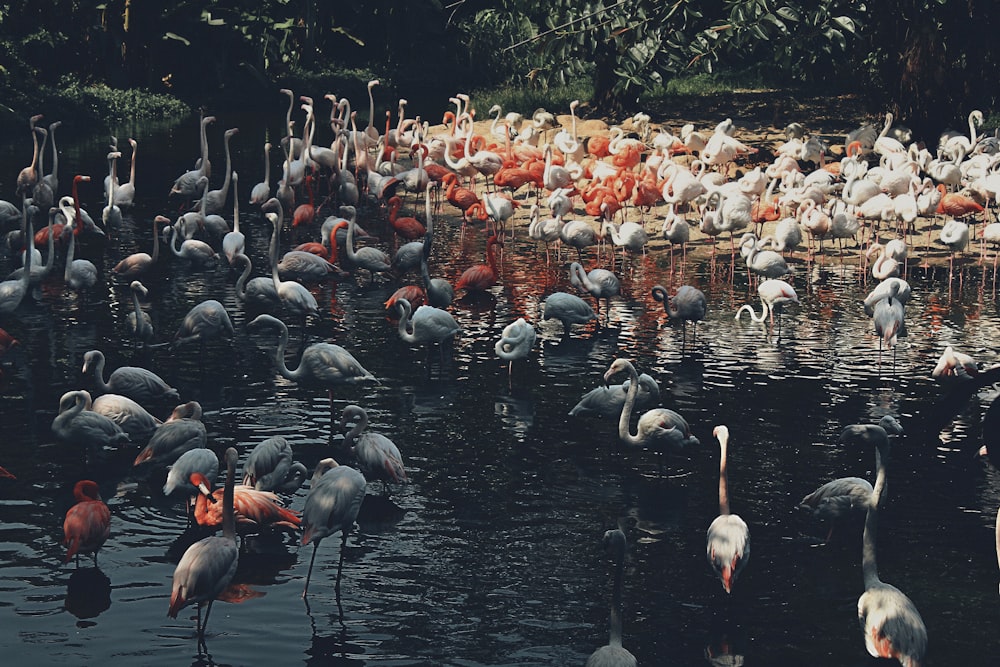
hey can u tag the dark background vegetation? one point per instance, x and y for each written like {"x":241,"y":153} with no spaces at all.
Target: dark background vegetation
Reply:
{"x":930,"y":61}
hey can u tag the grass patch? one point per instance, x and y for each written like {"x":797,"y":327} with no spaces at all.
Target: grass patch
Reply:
{"x":527,"y":100}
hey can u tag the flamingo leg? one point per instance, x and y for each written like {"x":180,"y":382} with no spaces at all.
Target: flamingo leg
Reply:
{"x":309,"y":573}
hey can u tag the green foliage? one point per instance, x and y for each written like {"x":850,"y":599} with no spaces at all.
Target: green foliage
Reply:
{"x":117,"y":106}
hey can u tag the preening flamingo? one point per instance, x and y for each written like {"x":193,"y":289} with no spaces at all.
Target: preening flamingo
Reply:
{"x":85,"y":428}
{"x":134,"y":419}
{"x":255,"y":511}
{"x":728,"y":536}
{"x":568,"y":309}
{"x":208,"y":566}
{"x":181,"y":433}
{"x":952,"y":365}
{"x":194,"y":472}
{"x":88,"y":523}
{"x":206,"y":320}
{"x":613,"y":654}
{"x":332,"y":504}
{"x":378,"y":456}
{"x":270,"y":467}
{"x":515,"y":342}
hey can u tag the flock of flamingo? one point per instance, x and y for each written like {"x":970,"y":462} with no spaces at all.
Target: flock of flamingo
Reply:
{"x":799,"y":194}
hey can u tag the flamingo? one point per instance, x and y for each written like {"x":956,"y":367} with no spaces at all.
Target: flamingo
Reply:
{"x":13,"y":291}
{"x":378,"y":456}
{"x":599,"y":283}
{"x":568,"y":309}
{"x":546,"y":231}
{"x":194,"y":471}
{"x":440,"y":292}
{"x":890,"y":621}
{"x":139,"y":264}
{"x":659,"y":428}
{"x":80,"y":426}
{"x":206,"y":320}
{"x":293,"y":295}
{"x":262,"y":191}
{"x":578,"y":234}
{"x":774,"y":296}
{"x":259,"y":293}
{"x":368,"y":258}
{"x":406,"y":227}
{"x":134,"y":419}
{"x":613,"y":654}
{"x":760,"y":261}
{"x":270,"y":467}
{"x":688,"y":304}
{"x":140,"y":384}
{"x":325,"y":364}
{"x":608,"y":400}
{"x":124,"y":194}
{"x":235,"y":241}
{"x":481,"y":277}
{"x":188,"y":184}
{"x":208,"y":566}
{"x":183,"y":432}
{"x":838,"y":499}
{"x":332,"y":505}
{"x":79,"y":274}
{"x":953,"y":364}
{"x":88,"y":523}
{"x":42,"y":194}
{"x":254,"y":510}
{"x":216,"y":199}
{"x":426,"y":325}
{"x":515,"y":342}
{"x":28,"y":177}
{"x":895,"y":288}
{"x":728,"y":536}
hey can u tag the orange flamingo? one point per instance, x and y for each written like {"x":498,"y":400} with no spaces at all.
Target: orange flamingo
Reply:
{"x":88,"y":522}
{"x":407,"y":227}
{"x":254,"y":509}
{"x":481,"y":277}
{"x":412,"y":293}
{"x":305,"y":214}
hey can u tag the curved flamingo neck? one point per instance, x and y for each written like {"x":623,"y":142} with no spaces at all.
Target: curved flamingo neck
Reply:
{"x":404,"y":325}
{"x":624,"y":432}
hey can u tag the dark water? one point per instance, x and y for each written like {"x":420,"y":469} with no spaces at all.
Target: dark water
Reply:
{"x":492,"y":555}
